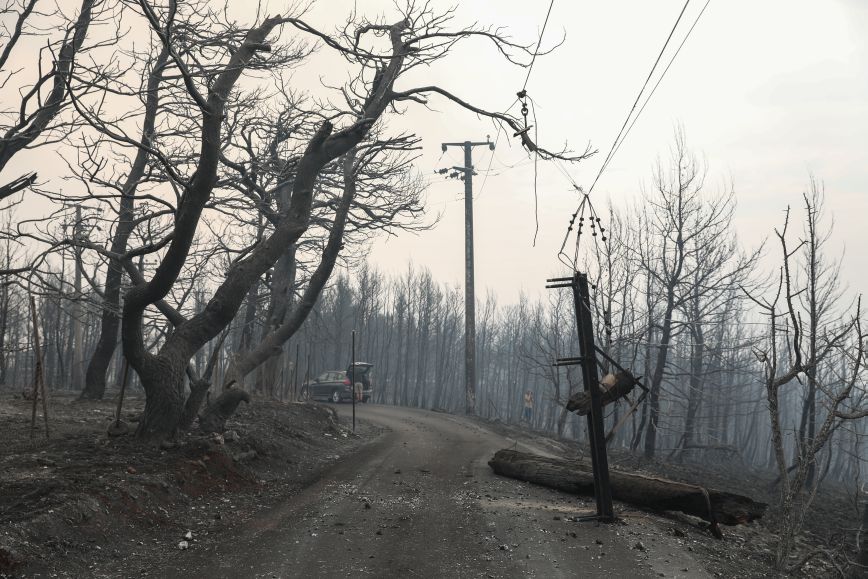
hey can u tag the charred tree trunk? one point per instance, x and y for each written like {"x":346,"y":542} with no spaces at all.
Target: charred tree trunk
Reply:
{"x":247,"y":326}
{"x":694,"y":394}
{"x":657,"y":377}
{"x":4,"y":322}
{"x":95,"y":376}
{"x":162,"y":379}
{"x":862,"y":561}
{"x":642,"y":491}
{"x":198,"y":392}
{"x":283,"y":323}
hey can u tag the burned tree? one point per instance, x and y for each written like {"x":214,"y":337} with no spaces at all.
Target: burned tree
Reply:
{"x":95,"y":378}
{"x":211,"y":87}
{"x":376,"y":193}
{"x":686,"y":254}
{"x":811,"y":341}
{"x":41,"y":101}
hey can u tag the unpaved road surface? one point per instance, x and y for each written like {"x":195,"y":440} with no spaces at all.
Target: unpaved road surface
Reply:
{"x":421,"y":501}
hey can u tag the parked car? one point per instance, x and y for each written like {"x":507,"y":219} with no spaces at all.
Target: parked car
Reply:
{"x":335,"y":386}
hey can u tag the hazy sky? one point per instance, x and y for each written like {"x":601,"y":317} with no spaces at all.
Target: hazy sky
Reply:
{"x":767,"y":92}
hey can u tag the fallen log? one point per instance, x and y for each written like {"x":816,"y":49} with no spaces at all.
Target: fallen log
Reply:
{"x":643,"y":491}
{"x":612,"y":388}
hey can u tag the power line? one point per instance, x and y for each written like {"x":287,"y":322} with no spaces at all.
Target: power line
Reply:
{"x":638,"y":97}
{"x":490,"y":161}
{"x":628,"y":125}
{"x":496,"y":139}
{"x":653,"y":90}
{"x":538,"y":44}
{"x":521,"y":94}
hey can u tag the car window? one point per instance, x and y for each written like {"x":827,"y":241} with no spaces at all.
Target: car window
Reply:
{"x":324,"y":377}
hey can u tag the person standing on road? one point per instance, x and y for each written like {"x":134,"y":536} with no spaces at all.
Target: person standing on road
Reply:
{"x":527,"y":413}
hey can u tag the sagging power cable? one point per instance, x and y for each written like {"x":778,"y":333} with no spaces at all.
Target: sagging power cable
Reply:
{"x":659,"y":80}
{"x":628,"y":124}
{"x":638,"y":97}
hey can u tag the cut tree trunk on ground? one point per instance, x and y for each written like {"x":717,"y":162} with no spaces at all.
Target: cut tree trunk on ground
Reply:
{"x":612,"y":388}
{"x":639,"y":490}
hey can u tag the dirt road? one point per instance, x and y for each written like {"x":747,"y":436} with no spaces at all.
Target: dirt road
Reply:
{"x":421,"y":501}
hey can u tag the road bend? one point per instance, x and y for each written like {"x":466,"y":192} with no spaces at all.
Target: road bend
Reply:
{"x":421,"y":501}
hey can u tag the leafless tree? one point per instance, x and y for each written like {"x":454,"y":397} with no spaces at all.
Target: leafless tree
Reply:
{"x":41,"y":100}
{"x":211,"y":78}
{"x":687,"y":255}
{"x":808,"y":340}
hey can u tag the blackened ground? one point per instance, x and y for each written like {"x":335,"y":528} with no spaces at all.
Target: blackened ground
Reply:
{"x":292,"y":492}
{"x":82,"y":501}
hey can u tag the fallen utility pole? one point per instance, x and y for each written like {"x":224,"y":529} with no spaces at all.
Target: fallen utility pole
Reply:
{"x":469,"y":292}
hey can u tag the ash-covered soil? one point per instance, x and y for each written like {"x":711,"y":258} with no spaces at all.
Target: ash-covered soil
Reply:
{"x":827,"y":542}
{"x":84,"y":504}
{"x":81,"y":503}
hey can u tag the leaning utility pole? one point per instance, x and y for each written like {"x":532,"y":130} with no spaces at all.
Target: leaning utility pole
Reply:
{"x":469,"y":294}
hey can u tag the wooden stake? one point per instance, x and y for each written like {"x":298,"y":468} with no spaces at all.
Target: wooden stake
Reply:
{"x":123,"y":389}
{"x":38,"y":381}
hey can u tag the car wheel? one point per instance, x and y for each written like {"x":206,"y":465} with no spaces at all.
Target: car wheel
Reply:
{"x":336,"y":396}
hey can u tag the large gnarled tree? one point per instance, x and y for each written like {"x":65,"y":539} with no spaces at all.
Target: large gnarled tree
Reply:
{"x":418,"y":38}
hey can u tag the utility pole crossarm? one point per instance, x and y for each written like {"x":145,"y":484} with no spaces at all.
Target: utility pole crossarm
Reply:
{"x":471,"y":143}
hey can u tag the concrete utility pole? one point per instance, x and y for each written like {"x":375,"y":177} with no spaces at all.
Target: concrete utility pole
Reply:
{"x":469,"y":292}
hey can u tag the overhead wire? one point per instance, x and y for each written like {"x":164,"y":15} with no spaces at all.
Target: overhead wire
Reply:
{"x":627,"y":125}
{"x":535,"y":173}
{"x":538,"y":44}
{"x":659,"y":80}
{"x":523,"y":94}
{"x":496,"y":140}
{"x":638,"y":97}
